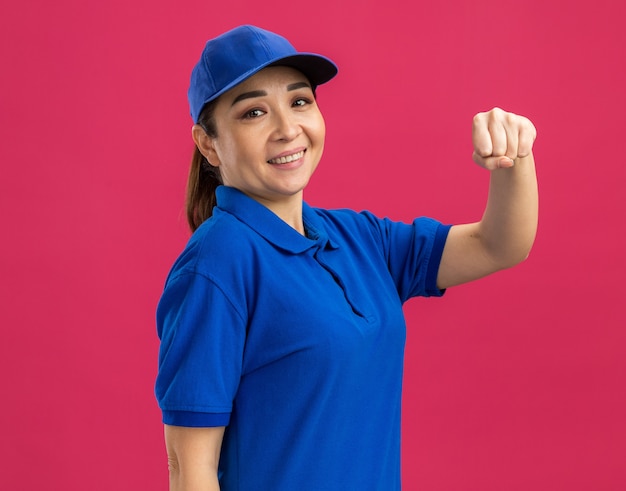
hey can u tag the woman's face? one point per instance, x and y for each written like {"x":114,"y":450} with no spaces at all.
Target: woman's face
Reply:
{"x":270,"y":136}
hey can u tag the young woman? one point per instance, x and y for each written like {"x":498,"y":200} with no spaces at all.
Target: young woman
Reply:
{"x":281,"y":325}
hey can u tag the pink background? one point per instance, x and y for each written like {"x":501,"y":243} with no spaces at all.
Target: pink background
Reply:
{"x":516,"y":382}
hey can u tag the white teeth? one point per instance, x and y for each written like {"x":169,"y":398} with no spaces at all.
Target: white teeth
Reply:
{"x":288,"y":158}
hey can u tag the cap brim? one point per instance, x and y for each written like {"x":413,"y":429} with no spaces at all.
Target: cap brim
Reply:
{"x":317,"y":68}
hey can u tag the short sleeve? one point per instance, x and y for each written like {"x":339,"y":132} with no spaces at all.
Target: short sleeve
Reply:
{"x":413,"y":254}
{"x":200,"y":357}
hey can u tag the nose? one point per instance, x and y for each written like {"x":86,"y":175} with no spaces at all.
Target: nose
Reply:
{"x":286,"y":125}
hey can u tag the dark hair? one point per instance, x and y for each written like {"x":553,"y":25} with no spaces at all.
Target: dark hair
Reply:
{"x":203,"y":177}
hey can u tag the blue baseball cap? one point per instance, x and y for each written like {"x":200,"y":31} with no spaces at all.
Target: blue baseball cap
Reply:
{"x":236,"y":55}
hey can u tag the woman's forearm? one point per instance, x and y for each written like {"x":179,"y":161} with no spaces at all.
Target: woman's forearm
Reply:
{"x":509,"y":223}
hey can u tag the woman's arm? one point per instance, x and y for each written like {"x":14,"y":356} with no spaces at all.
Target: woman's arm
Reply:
{"x":193,"y":455}
{"x":505,"y":234}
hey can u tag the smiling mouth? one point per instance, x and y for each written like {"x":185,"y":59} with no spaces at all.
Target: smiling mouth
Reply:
{"x":288,"y":158}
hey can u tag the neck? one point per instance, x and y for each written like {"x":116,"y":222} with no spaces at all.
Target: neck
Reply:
{"x":289,"y":210}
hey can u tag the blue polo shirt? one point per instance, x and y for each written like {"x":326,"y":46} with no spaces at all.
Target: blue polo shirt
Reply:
{"x":294,"y":343}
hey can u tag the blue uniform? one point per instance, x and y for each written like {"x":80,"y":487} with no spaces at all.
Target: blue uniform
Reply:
{"x":294,"y":343}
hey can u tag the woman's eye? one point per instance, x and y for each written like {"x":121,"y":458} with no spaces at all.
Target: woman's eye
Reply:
{"x":254,"y":113}
{"x":301,"y":102}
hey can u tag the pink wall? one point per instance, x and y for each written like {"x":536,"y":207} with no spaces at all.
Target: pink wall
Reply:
{"x":516,"y":382}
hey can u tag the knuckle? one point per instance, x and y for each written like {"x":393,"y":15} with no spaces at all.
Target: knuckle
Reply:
{"x":483,"y":151}
{"x":478,"y":119}
{"x":497,"y":113}
{"x":512,"y":119}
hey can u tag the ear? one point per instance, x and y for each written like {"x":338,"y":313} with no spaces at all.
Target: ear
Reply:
{"x":206,"y":144}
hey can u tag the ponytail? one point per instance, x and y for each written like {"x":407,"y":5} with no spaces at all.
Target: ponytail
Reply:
{"x":203,"y":178}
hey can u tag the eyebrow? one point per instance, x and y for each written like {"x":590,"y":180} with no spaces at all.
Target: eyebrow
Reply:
{"x":298,"y":85}
{"x":261,"y":93}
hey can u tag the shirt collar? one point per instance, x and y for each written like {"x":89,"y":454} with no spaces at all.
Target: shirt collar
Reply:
{"x":267,"y":224}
